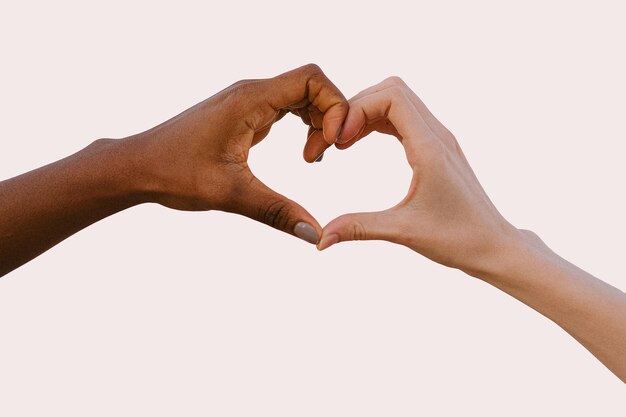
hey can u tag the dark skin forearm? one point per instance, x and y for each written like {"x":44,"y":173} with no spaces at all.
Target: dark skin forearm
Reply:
{"x":42,"y":207}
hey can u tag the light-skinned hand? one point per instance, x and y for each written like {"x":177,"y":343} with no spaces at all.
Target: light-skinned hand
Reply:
{"x":446,"y":215}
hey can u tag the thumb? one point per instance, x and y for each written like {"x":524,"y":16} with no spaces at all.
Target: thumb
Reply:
{"x":257,"y":201}
{"x":356,"y":226}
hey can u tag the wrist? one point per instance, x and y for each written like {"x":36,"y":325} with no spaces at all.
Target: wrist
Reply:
{"x":123,"y":175}
{"x":154,"y":170}
{"x":514,"y":251}
{"x":509,"y":247}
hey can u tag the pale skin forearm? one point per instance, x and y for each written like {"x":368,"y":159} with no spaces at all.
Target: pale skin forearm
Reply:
{"x":589,"y":309}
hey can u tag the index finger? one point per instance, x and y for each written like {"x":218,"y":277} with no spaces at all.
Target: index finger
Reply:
{"x":305,"y":86}
{"x":374,"y":110}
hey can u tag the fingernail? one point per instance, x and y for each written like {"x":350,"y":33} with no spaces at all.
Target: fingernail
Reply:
{"x":305,"y":232}
{"x":337,"y":140}
{"x":327,"y":241}
{"x":319,"y":157}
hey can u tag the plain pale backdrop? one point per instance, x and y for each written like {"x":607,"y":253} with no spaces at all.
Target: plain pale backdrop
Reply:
{"x":157,"y":312}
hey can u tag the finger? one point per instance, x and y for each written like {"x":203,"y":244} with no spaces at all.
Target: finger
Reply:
{"x":433,"y":123}
{"x":315,"y":145}
{"x":316,"y":142}
{"x":371,"y":89}
{"x":259,"y":135}
{"x":310,"y":115}
{"x":303,"y":114}
{"x":396,"y":81}
{"x":376,"y":109}
{"x":309,"y":83}
{"x":254,"y":199}
{"x":316,"y":116}
{"x":347,"y":140}
{"x":358,"y":226}
{"x":382,"y":126}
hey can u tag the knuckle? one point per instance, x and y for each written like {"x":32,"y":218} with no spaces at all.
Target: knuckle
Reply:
{"x":455,"y":143}
{"x":531,"y":235}
{"x":275,"y":214}
{"x":398,"y":93}
{"x":395,"y":80}
{"x":447,"y":137}
{"x":239,"y":87}
{"x":245,"y":87}
{"x":396,"y":90}
{"x":357,"y":231}
{"x":342,"y":106}
{"x":312,"y":69}
{"x":235,"y":93}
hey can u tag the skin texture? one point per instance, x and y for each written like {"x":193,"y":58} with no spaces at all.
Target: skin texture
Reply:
{"x":194,"y":161}
{"x":198,"y":161}
{"x":447,"y":217}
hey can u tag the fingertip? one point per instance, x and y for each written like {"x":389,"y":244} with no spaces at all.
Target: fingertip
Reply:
{"x":306,"y":232}
{"x":332,"y":130}
{"x":259,"y":202}
{"x":338,"y":135}
{"x":314,"y":147}
{"x":352,"y":127}
{"x":327,"y":241}
{"x":334,"y":120}
{"x":346,"y":145}
{"x":342,"y":137}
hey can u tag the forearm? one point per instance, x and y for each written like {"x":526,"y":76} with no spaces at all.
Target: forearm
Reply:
{"x":590,"y":310}
{"x":43,"y":207}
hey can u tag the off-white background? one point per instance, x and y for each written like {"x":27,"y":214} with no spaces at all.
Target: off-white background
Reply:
{"x":162,"y":313}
